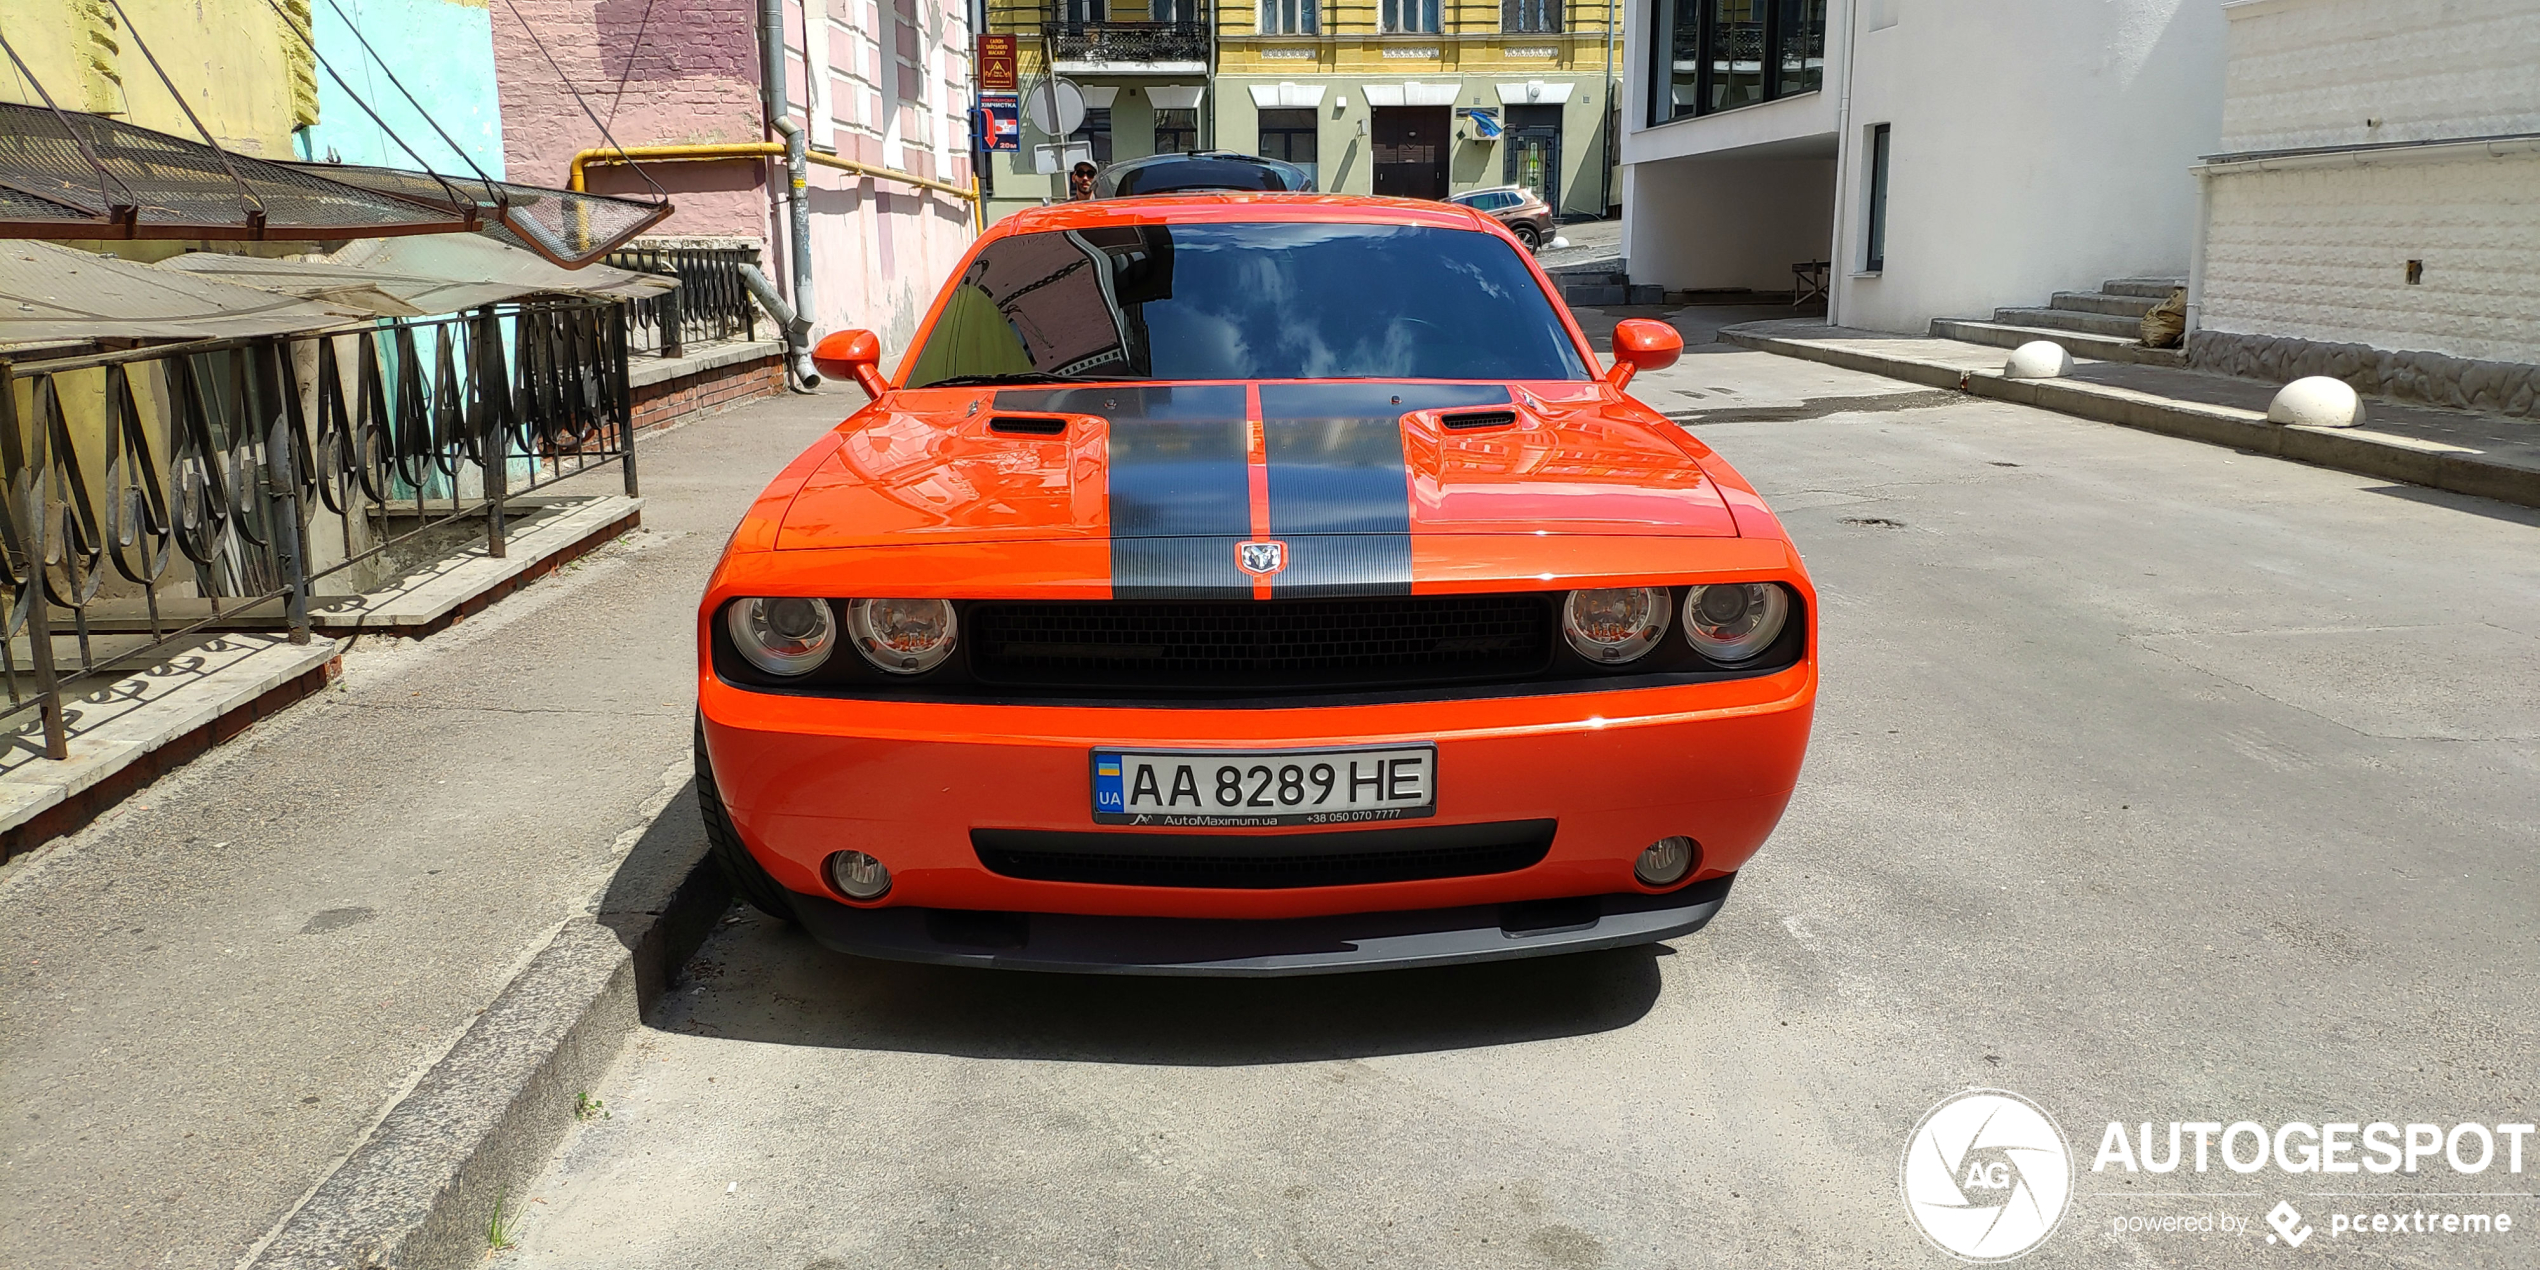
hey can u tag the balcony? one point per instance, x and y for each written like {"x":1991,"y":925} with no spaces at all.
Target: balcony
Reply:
{"x":1128,"y":48}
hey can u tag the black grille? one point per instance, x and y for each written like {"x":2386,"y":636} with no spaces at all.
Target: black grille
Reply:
{"x":1265,"y":862}
{"x":1255,"y":644}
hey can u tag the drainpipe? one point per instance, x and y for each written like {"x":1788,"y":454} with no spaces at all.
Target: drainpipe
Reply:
{"x":1614,"y":112}
{"x":2196,"y":254}
{"x":796,"y":322}
{"x":798,"y":243}
{"x":796,"y":327}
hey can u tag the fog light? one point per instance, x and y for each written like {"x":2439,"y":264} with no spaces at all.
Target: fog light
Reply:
{"x":858,"y":876}
{"x":1665,"y":863}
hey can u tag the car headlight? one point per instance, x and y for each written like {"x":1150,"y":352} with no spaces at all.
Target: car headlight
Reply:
{"x":1615,"y":624}
{"x":1735,"y":621}
{"x":902,"y":637}
{"x":786,"y":635}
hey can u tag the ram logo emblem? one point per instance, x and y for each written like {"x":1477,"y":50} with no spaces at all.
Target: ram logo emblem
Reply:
{"x":1261,"y":559}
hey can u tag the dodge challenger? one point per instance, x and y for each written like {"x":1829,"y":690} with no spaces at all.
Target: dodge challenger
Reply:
{"x":1250,"y":584}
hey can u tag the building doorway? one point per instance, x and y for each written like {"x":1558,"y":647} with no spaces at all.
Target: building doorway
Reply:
{"x":1411,"y":145}
{"x":1532,"y":144}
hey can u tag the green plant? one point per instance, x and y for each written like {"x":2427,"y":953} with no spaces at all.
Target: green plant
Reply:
{"x":498,"y":1234}
{"x":586,"y":1107}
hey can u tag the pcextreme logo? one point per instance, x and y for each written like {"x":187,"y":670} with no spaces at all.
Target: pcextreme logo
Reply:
{"x":1987,"y":1175}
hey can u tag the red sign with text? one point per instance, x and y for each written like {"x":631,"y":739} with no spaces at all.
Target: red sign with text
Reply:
{"x":996,"y":63}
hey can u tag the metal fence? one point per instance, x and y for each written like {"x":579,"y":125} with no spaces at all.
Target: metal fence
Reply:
{"x":710,"y":302}
{"x":1108,"y":43}
{"x":154,"y":494}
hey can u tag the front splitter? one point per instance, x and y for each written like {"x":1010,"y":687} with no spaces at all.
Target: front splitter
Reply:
{"x":1243,"y":948}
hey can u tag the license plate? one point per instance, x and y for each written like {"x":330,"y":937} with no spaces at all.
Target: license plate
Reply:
{"x":1238,"y":789}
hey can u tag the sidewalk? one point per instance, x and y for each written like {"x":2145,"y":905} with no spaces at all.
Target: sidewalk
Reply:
{"x":2466,"y":453}
{"x":214,"y":991}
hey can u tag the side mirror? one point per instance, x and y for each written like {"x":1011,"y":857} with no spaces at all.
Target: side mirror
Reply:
{"x":852,"y":355}
{"x":1643,"y":344}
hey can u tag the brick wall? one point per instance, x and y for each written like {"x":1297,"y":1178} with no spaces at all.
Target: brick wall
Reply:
{"x":664,"y":403}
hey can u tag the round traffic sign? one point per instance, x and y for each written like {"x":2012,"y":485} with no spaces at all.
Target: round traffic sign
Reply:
{"x":1061,"y":96}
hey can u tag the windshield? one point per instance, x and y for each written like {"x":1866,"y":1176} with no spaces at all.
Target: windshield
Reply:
{"x":1267,"y":300}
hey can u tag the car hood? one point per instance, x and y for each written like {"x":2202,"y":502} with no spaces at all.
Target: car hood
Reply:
{"x":1232,"y":460}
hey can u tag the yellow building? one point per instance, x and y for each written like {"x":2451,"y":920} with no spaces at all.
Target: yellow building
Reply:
{"x":1416,"y":98}
{"x":1424,"y":98}
{"x":260,"y":86}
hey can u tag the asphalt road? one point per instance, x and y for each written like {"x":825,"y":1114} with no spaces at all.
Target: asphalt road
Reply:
{"x":2151,"y":781}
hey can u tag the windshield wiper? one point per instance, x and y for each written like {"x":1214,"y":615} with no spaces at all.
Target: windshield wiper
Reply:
{"x":1028,"y":377}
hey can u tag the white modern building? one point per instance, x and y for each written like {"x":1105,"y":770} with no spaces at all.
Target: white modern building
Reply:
{"x":2373,"y":208}
{"x":1940,"y":157}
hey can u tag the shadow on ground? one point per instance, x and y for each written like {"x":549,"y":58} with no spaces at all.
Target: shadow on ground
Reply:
{"x":761,"y":980}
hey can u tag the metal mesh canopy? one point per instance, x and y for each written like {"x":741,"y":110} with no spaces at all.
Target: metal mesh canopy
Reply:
{"x":566,"y":226}
{"x":71,"y":175}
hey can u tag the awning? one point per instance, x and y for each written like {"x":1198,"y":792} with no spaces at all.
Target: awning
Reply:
{"x":417,"y":277}
{"x":568,"y":227}
{"x":71,"y":175}
{"x":51,"y":294}
{"x":67,"y":175}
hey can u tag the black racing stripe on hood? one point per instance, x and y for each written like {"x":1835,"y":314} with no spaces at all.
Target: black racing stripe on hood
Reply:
{"x":1339,"y":492}
{"x":1180,"y":496}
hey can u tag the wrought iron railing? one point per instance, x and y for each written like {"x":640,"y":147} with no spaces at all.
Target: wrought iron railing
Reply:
{"x":710,"y":302}
{"x":155,"y":494}
{"x":1116,"y":43}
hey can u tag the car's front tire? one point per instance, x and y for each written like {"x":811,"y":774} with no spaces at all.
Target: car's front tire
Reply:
{"x":749,"y":880}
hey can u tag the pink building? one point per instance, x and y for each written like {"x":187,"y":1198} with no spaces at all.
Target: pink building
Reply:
{"x":891,"y":93}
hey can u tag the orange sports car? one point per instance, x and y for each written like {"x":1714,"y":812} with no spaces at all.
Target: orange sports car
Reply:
{"x":1249,"y":584}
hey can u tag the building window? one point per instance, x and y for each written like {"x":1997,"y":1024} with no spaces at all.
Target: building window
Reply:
{"x":1875,"y":258}
{"x":1410,"y":17}
{"x":1095,"y":132}
{"x":1176,"y":131}
{"x":1292,"y":135}
{"x":1079,"y":12}
{"x":1176,"y":12}
{"x":1713,"y":55}
{"x":1530,"y":17}
{"x":1290,"y":17}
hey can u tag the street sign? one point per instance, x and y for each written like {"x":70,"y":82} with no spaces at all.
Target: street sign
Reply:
{"x":1063,"y":157}
{"x":996,"y":64}
{"x":1059,"y":98}
{"x":1000,"y":126}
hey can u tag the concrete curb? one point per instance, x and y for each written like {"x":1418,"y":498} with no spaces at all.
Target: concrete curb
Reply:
{"x":464,"y":584}
{"x":2358,"y":450}
{"x":480,"y":1125}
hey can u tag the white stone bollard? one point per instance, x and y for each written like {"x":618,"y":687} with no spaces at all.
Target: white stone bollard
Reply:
{"x":2038,"y":359}
{"x":2317,"y":401}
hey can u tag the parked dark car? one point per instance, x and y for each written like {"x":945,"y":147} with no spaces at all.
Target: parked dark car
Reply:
{"x":1526,"y":216}
{"x":1200,"y":170}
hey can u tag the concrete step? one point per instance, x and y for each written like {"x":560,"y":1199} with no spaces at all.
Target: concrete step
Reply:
{"x":2078,"y":343}
{"x":1599,"y":295}
{"x":1588,"y":277}
{"x":2154,"y":288}
{"x":2133,"y":306}
{"x":2070,"y":320}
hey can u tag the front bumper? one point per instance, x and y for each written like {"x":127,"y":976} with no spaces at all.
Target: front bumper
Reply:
{"x":910,"y":783}
{"x":1222,"y":948}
